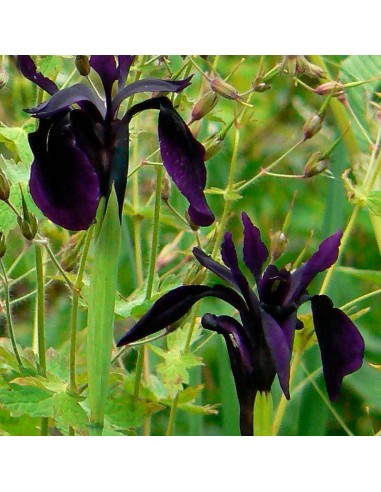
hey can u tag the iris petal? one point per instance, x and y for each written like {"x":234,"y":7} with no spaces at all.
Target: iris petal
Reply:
{"x":341,"y":344}
{"x":78,"y":93}
{"x":105,"y":66}
{"x":255,"y":252}
{"x":215,"y":267}
{"x":124,"y":65}
{"x":63,"y":182}
{"x":325,"y":257}
{"x":29,"y":70}
{"x":183,"y":158}
{"x":279,"y":347}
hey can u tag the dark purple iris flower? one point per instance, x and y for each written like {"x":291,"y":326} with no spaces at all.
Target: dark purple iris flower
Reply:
{"x":81,"y":146}
{"x":260,"y":346}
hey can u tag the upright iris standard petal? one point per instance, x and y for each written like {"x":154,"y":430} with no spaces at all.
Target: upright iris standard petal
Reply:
{"x":124,"y":65}
{"x":255,"y":252}
{"x":341,"y":344}
{"x":105,"y":66}
{"x":183,"y":158}
{"x":63,"y":182}
{"x":325,"y":257}
{"x":29,"y":70}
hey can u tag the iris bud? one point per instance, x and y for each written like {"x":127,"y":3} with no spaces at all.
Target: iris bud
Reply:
{"x":3,"y":246}
{"x":204,"y":105}
{"x":4,"y":186}
{"x":224,"y":89}
{"x":82,"y":64}
{"x":316,"y":164}
{"x":278,"y":244}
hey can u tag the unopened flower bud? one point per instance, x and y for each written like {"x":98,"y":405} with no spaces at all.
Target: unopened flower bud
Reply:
{"x":336,"y":88}
{"x":279,"y":242}
{"x":3,"y":246}
{"x":315,"y":165}
{"x":312,"y":125}
{"x":28,"y":226}
{"x":224,"y":89}
{"x":4,"y":186}
{"x":83,"y":65}
{"x":168,"y":253}
{"x":298,"y":64}
{"x":165,"y":188}
{"x":204,"y":105}
{"x":192,"y":225}
{"x":4,"y":77}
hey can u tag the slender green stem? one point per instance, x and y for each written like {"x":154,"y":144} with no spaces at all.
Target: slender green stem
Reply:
{"x":40,"y":307}
{"x":9,"y":315}
{"x":268,"y":168}
{"x":360,"y":299}
{"x":172,"y":416}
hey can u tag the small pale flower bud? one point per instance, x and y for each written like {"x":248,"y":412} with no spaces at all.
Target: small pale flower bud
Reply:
{"x":298,"y":64}
{"x":224,"y":89}
{"x":4,"y":77}
{"x":82,"y":64}
{"x":165,"y":188}
{"x":279,"y":242}
{"x":204,"y":105}
{"x":312,"y":125}
{"x":3,"y":246}
{"x":4,"y":186}
{"x":315,"y":165}
{"x":212,"y":146}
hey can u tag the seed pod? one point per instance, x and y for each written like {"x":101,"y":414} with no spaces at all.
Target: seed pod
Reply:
{"x":224,"y":89}
{"x":28,"y":226}
{"x":279,"y":242}
{"x":204,"y":105}
{"x":312,"y":125}
{"x":330,"y":87}
{"x":3,"y":246}
{"x":261,"y":87}
{"x":83,"y":65}
{"x":315,"y":165}
{"x":4,"y":187}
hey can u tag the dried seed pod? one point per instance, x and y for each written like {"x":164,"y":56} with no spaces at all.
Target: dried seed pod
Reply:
{"x":279,"y":242}
{"x":3,"y":246}
{"x":315,"y":165}
{"x":312,"y":125}
{"x":4,"y":187}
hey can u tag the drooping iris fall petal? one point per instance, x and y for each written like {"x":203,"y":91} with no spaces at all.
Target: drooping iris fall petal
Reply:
{"x":30,"y":72}
{"x":341,"y":344}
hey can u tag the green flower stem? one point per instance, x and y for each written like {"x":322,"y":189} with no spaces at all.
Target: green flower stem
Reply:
{"x":269,"y":168}
{"x":230,"y":186}
{"x":9,"y":314}
{"x":40,"y":320}
{"x":40,"y":309}
{"x":74,"y":311}
{"x":172,"y":416}
{"x":360,"y":299}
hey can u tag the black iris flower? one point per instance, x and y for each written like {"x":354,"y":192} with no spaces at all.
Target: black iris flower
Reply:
{"x":81,"y":145}
{"x":260,"y":344}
